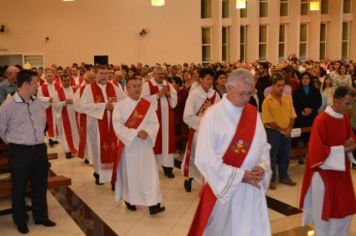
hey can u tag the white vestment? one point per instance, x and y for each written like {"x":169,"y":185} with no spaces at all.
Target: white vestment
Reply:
{"x":165,"y":159}
{"x":68,"y":92}
{"x":52,"y":93}
{"x":194,"y":102}
{"x":241,"y":208}
{"x":95,"y":112}
{"x":313,"y":203}
{"x":88,"y":153}
{"x":137,"y":176}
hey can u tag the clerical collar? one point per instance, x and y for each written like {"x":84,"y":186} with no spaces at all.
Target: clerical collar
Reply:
{"x":330,"y":111}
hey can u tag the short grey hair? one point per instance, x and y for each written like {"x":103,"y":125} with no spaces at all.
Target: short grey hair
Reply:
{"x":242,"y":75}
{"x":158,"y":68}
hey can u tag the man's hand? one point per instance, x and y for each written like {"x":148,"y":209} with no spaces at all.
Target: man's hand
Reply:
{"x":69,"y":101}
{"x":162,"y":91}
{"x":142,"y":134}
{"x":307,"y":111}
{"x":258,"y":172}
{"x":50,"y":99}
{"x":250,"y":178}
{"x":109,"y":106}
{"x":349,"y":145}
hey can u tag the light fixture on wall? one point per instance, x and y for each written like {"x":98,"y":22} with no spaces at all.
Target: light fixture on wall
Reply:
{"x":314,"y":5}
{"x":157,"y":3}
{"x":68,"y":0}
{"x":240,"y":4}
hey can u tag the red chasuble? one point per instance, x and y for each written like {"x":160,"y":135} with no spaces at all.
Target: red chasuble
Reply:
{"x":49,"y":114}
{"x":206,"y":104}
{"x":233,"y":156}
{"x":133,"y":122}
{"x":66,"y":121}
{"x":82,"y":129}
{"x":171,"y":136}
{"x":108,"y":145}
{"x":339,"y":197}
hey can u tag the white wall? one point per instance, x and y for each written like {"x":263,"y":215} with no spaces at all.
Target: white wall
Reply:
{"x":81,"y":29}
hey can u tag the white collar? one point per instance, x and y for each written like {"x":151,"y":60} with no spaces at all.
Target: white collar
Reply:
{"x":18,"y":98}
{"x":231,"y":106}
{"x":330,"y":111}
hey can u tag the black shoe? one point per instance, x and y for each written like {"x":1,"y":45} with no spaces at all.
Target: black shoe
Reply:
{"x":130,"y":207}
{"x":168,"y":171}
{"x":56,"y":142}
{"x":96,"y":176}
{"x":51,"y":142}
{"x":113,"y":187}
{"x":69,"y":155}
{"x":86,"y":161}
{"x":188,"y":185}
{"x":353,"y":166}
{"x":22,"y":228}
{"x":47,"y":222}
{"x":156,"y":209}
{"x":301,"y":160}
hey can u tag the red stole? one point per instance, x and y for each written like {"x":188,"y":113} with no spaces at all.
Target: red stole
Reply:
{"x":339,"y":197}
{"x":171,"y":135}
{"x":206,"y":104}
{"x":82,"y":129}
{"x":234,"y":156}
{"x":66,"y":121}
{"x":49,"y":114}
{"x":133,"y":122}
{"x":108,"y":145}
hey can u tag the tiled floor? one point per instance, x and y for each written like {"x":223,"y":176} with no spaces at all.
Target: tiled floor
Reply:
{"x":175,"y":221}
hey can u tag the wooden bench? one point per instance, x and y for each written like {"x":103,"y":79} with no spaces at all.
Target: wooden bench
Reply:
{"x":53,"y":182}
{"x":300,"y":151}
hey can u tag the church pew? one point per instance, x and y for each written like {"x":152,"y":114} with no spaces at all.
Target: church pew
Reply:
{"x":296,"y":152}
{"x":53,"y":182}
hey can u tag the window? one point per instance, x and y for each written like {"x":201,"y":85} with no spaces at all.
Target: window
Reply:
{"x":324,"y":6}
{"x":304,"y":7}
{"x":347,"y":6}
{"x":206,"y":44}
{"x":323,"y":31}
{"x":262,"y":45}
{"x":263,"y":8}
{"x":345,"y":40}
{"x":226,"y":43}
{"x":243,"y":12}
{"x":243,"y":43}
{"x":282,"y":42}
{"x":34,"y":60}
{"x":225,"y":9}
{"x":206,"y":9}
{"x":283,"y":8}
{"x":303,"y":41}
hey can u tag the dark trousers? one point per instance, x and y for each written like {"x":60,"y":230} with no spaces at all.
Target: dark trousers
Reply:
{"x":280,"y":152}
{"x":29,"y":163}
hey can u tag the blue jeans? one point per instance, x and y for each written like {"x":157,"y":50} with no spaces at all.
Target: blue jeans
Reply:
{"x":280,"y":153}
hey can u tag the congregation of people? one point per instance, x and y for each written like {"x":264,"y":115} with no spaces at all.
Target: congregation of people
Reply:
{"x":129,"y":121}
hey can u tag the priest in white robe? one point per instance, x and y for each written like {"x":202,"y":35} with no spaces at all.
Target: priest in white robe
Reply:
{"x":98,"y":101}
{"x":46,"y":93}
{"x":233,"y":156}
{"x":67,"y":117}
{"x":163,"y":97}
{"x":196,"y":105}
{"x":136,"y":126}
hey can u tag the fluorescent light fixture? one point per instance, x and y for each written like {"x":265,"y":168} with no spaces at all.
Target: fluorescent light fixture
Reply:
{"x":157,"y":3}
{"x":240,"y":4}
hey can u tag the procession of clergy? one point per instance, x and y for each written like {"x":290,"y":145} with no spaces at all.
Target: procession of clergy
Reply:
{"x":127,"y":132}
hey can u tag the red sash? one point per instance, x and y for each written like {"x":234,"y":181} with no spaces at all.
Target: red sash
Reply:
{"x":82,"y":129}
{"x":108,"y":145}
{"x":206,"y":104}
{"x":66,"y":121}
{"x":234,"y":156}
{"x":49,"y":114}
{"x":171,"y":135}
{"x":133,"y":122}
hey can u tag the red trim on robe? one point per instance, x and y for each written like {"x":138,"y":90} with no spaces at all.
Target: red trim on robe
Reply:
{"x":49,"y":114}
{"x":234,"y":156}
{"x":108,"y":140}
{"x":82,"y":129}
{"x":133,"y":122}
{"x":339,"y":197}
{"x":66,"y":122}
{"x":171,"y":135}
